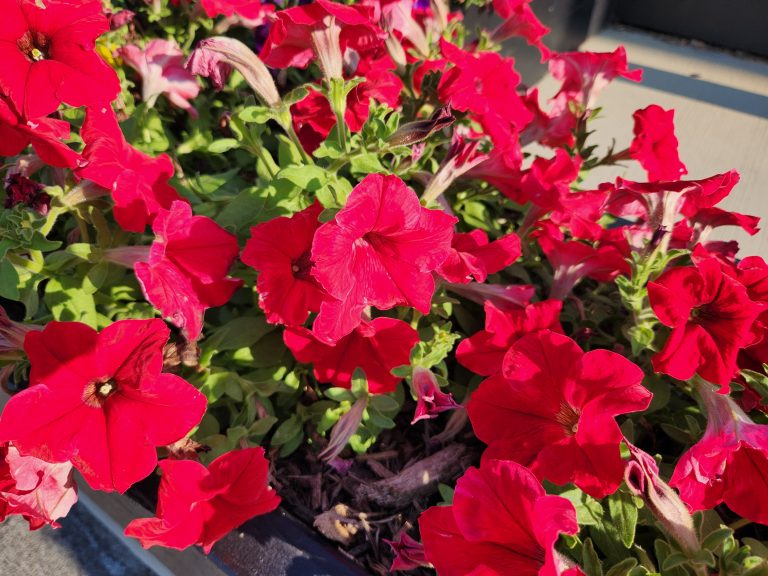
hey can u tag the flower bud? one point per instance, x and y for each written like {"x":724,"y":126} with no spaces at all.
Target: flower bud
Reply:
{"x":344,"y":429}
{"x":215,"y":57}
{"x":419,"y":130}
{"x":430,"y":399}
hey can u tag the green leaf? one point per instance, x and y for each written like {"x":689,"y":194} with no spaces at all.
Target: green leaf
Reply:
{"x":9,"y":280}
{"x":714,"y":539}
{"x":588,"y":510}
{"x":223,"y":145}
{"x":359,"y":383}
{"x":259,"y":204}
{"x":367,"y":163}
{"x":623,"y":568}
{"x":385,"y":404}
{"x":623,"y":513}
{"x":430,"y":353}
{"x":590,"y":561}
{"x":446,"y":493}
{"x":309,"y":178}
{"x":339,"y":394}
{"x":288,"y":431}
{"x":238,"y":333}
{"x":69,"y":302}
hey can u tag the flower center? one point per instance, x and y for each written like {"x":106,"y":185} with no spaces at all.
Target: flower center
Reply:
{"x":302,"y":266}
{"x":568,"y":418}
{"x":97,"y":391}
{"x":34,"y":45}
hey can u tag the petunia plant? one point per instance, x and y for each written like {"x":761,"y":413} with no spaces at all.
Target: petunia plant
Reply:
{"x":335,"y":255}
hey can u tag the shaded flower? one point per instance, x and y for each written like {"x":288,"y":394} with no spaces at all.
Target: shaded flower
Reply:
{"x":570,"y":399}
{"x":655,"y":145}
{"x":484,"y":351}
{"x":501,"y":522}
{"x":98,"y":399}
{"x":409,"y":553}
{"x":710,"y":315}
{"x":48,"y":57}
{"x":160,"y":65}
{"x":39,"y":491}
{"x":503,"y":296}
{"x":22,"y":190}
{"x":730,"y":462}
{"x":280,"y":251}
{"x":198,"y":505}
{"x":430,"y":400}
{"x":376,"y":347}
{"x":187,"y":268}
{"x":379,"y":250}
{"x":138,"y":182}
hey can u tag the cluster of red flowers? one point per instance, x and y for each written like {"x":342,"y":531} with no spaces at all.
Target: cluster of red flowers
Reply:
{"x":100,"y":402}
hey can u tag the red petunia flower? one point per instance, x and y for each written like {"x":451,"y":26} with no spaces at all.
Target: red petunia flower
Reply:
{"x":519,"y":20}
{"x":710,"y":314}
{"x":377,"y":347}
{"x":138,"y":182}
{"x":473,"y":256}
{"x":501,"y":522}
{"x":39,"y":491}
{"x":98,"y":399}
{"x":485,"y":84}
{"x":484,"y":351}
{"x":379,"y":250}
{"x":585,"y":74}
{"x":200,"y":506}
{"x":187,"y":268}
{"x":553,"y":409}
{"x":655,"y":144}
{"x":729,"y":464}
{"x":160,"y":65}
{"x":48,"y":57}
{"x":302,"y":34}
{"x":280,"y":251}
{"x":409,"y":554}
{"x":247,"y":10}
{"x":572,"y":260}
{"x":44,"y":134}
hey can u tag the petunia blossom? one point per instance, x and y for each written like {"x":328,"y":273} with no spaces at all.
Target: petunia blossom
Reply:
{"x":710,"y":315}
{"x":46,"y":135}
{"x":280,"y":251}
{"x":484,"y":351}
{"x":409,"y":553}
{"x":430,"y":400}
{"x":730,"y":462}
{"x":655,"y":144}
{"x":474,"y":257}
{"x":187,"y":268}
{"x":98,"y":400}
{"x":160,"y":65}
{"x":39,"y":491}
{"x":376,"y":347}
{"x":47,"y":50}
{"x":199,"y":505}
{"x":379,"y":250}
{"x":553,"y":407}
{"x":321,"y":30}
{"x":519,"y":20}
{"x":138,"y":182}
{"x":501,"y":522}
{"x":585,"y":74}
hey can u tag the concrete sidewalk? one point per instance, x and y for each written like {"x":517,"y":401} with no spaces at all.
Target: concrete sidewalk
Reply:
{"x":721,"y":116}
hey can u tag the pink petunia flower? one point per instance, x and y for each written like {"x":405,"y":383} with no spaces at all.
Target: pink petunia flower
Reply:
{"x":553,"y":407}
{"x":501,"y":522}
{"x":160,"y":65}
{"x":379,"y":250}
{"x":39,"y":491}
{"x":730,"y":462}
{"x":187,"y":268}
{"x":376,"y":347}
{"x":48,"y":58}
{"x":198,"y":505}
{"x":519,"y":20}
{"x":430,"y":400}
{"x":280,"y":251}
{"x":710,"y":315}
{"x":409,"y":554}
{"x":98,"y":400}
